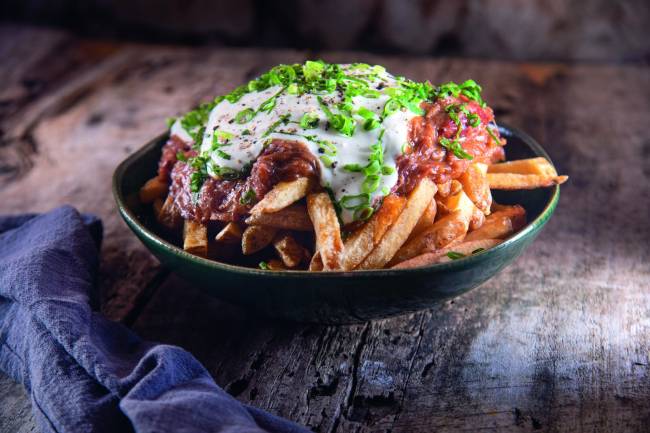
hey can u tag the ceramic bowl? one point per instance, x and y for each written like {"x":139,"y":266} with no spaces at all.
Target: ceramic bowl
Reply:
{"x":334,"y":297}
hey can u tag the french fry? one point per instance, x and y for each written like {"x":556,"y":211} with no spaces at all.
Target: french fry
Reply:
{"x":426,"y":220}
{"x":360,"y":243}
{"x":276,"y":265}
{"x":282,"y":195}
{"x":154,"y":188}
{"x":512,"y":181}
{"x":495,"y":227}
{"x":443,"y":232}
{"x":538,"y":166}
{"x":256,"y":238}
{"x":477,"y":219}
{"x":289,"y":250}
{"x":328,"y":232}
{"x":444,"y":189}
{"x":293,"y":217}
{"x":455,"y":187}
{"x":169,"y":215}
{"x":195,"y":238}
{"x":440,"y":256}
{"x":516,"y":213}
{"x":399,"y":232}
{"x":231,"y":233}
{"x":475,"y":184}
{"x":316,"y":263}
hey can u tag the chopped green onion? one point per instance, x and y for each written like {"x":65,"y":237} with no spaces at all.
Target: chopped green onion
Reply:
{"x":245,"y":115}
{"x":454,"y":255}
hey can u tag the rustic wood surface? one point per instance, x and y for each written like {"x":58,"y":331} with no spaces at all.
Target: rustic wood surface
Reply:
{"x":558,"y":342}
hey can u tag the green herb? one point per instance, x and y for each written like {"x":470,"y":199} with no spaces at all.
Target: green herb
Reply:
{"x":170,"y":121}
{"x":246,"y":132}
{"x":248,"y":198}
{"x":454,"y":255}
{"x":269,"y":104}
{"x":264,"y":266}
{"x":180,"y":156}
{"x":342,"y":123}
{"x":478,"y":250}
{"x":223,"y":154}
{"x":489,"y":130}
{"x":283,"y":120}
{"x":474,"y":120}
{"x":455,"y":147}
{"x":245,"y":115}
{"x":309,"y":121}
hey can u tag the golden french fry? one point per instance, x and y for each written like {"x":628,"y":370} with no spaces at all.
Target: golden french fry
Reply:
{"x":511,"y":181}
{"x":495,"y":227}
{"x":444,"y":231}
{"x":516,"y":213}
{"x":256,"y":238}
{"x":231,"y":233}
{"x":169,"y":215}
{"x":316,"y":263}
{"x":276,"y":265}
{"x":195,"y":238}
{"x":538,"y":166}
{"x":397,"y":234}
{"x":293,"y":217}
{"x":289,"y":250}
{"x":154,"y":188}
{"x":360,"y":243}
{"x":444,"y":189}
{"x":426,"y":220}
{"x":475,"y":184}
{"x":440,"y":256}
{"x":328,"y":232}
{"x":477,"y":219}
{"x":282,"y":195}
{"x":455,"y":187}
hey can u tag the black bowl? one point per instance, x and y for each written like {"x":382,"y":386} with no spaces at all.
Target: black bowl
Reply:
{"x":334,"y":297}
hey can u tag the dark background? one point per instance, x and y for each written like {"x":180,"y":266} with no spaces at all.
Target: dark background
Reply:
{"x":562,"y":30}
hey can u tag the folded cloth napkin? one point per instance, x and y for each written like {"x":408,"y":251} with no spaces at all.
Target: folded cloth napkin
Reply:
{"x":85,"y":373}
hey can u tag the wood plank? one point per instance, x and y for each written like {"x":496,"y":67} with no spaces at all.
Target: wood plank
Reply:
{"x":558,"y":341}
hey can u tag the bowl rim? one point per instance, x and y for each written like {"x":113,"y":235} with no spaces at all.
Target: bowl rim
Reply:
{"x":132,"y":220}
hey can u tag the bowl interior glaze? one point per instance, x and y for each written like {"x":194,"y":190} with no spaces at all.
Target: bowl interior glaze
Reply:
{"x":333,"y":297}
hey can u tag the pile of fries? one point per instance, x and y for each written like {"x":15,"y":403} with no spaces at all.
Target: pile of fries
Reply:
{"x":434,"y":224}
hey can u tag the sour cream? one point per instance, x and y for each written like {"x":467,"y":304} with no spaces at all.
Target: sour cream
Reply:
{"x":245,"y":141}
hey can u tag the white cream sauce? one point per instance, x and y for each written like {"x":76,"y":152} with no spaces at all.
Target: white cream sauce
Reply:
{"x":246,"y":141}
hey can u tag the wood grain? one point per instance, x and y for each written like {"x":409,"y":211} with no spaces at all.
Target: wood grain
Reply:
{"x":558,"y":342}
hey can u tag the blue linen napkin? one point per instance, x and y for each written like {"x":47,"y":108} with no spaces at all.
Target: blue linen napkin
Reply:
{"x":85,"y":373}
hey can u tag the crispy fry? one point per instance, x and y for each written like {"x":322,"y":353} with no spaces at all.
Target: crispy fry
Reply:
{"x":276,"y":265}
{"x":455,"y":188}
{"x":256,"y":238}
{"x":169,"y":215}
{"x":510,"y":181}
{"x":476,"y":186}
{"x":316,"y":263}
{"x":443,"y":232}
{"x":444,"y":189}
{"x":282,"y":195}
{"x":289,"y":250}
{"x":538,"y":166}
{"x":231,"y":233}
{"x":516,"y":213}
{"x":195,"y":238}
{"x":495,"y":227}
{"x":426,"y":220}
{"x":477,"y":219}
{"x":154,"y":188}
{"x":397,"y":234}
{"x":360,"y":243}
{"x":440,"y":256}
{"x":328,"y":233}
{"x":292,"y":217}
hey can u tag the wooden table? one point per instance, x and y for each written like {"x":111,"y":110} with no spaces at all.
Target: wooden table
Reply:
{"x":559,"y":341}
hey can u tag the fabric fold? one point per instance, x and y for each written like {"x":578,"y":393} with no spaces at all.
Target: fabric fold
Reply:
{"x":84,"y":372}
